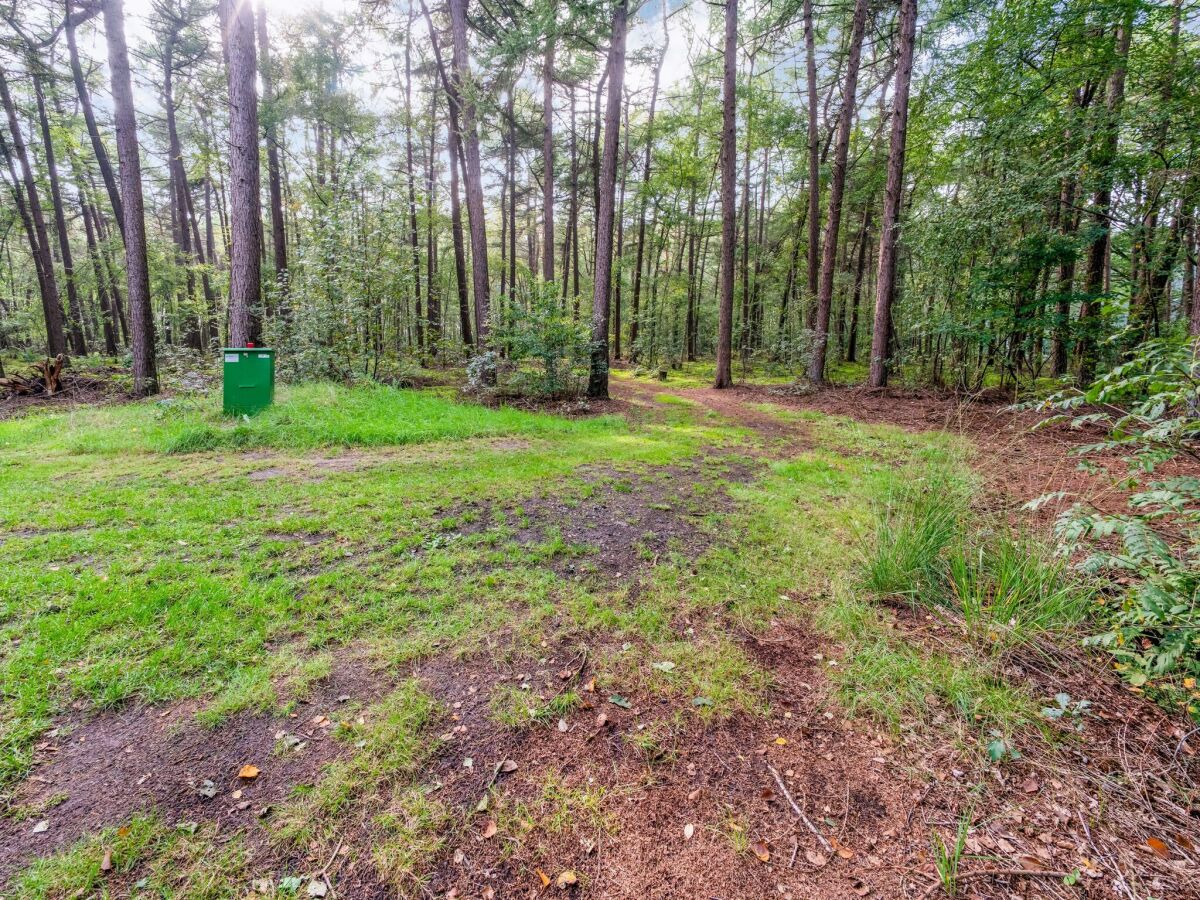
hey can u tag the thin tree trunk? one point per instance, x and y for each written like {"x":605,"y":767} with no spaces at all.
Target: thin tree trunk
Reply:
{"x":814,"y":167}
{"x":837,"y":186}
{"x":89,"y":117}
{"x":412,"y":196}
{"x":548,"y":161}
{"x":137,"y":272}
{"x":278,"y":227}
{"x":456,"y":231}
{"x":724,"y":374}
{"x":39,"y":236}
{"x":1095,"y":279}
{"x":885,"y":281}
{"x":598,"y":376}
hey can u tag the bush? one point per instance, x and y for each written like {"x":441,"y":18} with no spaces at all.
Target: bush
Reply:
{"x":547,"y":350}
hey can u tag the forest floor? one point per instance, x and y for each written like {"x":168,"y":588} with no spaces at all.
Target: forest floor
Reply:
{"x":377,"y":642}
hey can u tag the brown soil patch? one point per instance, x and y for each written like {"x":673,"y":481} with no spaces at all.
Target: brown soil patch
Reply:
{"x":627,"y":523}
{"x":714,"y":778}
{"x":98,"y":770}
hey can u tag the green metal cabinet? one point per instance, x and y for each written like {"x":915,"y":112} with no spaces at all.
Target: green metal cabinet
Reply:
{"x":249,"y":379}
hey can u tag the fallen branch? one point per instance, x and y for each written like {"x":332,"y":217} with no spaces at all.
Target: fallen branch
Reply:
{"x":796,"y":808}
{"x":996,"y":873}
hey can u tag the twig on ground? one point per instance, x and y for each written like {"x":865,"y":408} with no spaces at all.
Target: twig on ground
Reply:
{"x":796,"y":808}
{"x":996,"y":873}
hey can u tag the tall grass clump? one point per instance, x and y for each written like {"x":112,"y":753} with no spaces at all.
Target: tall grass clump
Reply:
{"x":1005,"y":587}
{"x":912,"y":533}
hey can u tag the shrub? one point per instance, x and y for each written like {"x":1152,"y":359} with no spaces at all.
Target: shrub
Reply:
{"x":1148,"y":406}
{"x":547,"y":349}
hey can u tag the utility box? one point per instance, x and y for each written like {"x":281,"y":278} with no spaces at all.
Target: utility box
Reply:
{"x":249,"y":379}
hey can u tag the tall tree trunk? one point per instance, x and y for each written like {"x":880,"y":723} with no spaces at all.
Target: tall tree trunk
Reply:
{"x":598,"y":376}
{"x":137,"y":272}
{"x":1094,"y":284}
{"x":619,"y":276}
{"x":412,"y":177}
{"x":724,"y":374}
{"x":639,"y":254}
{"x":859,"y":272}
{"x":102,"y":297}
{"x":474,"y":177}
{"x":574,"y":211}
{"x":885,"y":281}
{"x":433,"y":303}
{"x":548,"y":160}
{"x":35,"y":224}
{"x":93,"y":130}
{"x":275,"y":188}
{"x":245,"y":262}
{"x":837,"y":186}
{"x":456,"y":231}
{"x":814,"y":167}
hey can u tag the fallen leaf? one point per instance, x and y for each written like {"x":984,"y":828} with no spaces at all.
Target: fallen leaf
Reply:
{"x":489,"y":830}
{"x":590,"y":687}
{"x":317,"y":888}
{"x":1159,"y":847}
{"x":602,"y":720}
{"x":701,"y":701}
{"x":482,"y":805}
{"x":123,"y":831}
{"x":1031,"y":785}
{"x":618,"y":700}
{"x":815,"y":858}
{"x":248,"y":772}
{"x":664,"y":666}
{"x":1031,"y":863}
{"x":41,"y":826}
{"x":544,"y":877}
{"x":694,"y":795}
{"x":781,"y":741}
{"x":565,"y":879}
{"x":688,"y":830}
{"x":489,"y":893}
{"x":562,"y":724}
{"x":845,"y":853}
{"x":759,"y":849}
{"x":106,"y":862}
{"x":207,"y":789}
{"x":508,"y":766}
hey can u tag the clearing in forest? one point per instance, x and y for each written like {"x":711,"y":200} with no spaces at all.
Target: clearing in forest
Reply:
{"x":379,"y":642}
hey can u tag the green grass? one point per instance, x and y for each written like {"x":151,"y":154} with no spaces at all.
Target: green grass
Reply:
{"x":305,"y":417}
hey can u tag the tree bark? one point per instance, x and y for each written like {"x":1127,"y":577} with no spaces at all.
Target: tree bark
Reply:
{"x":89,"y":117}
{"x":1094,"y":285}
{"x":137,"y":272}
{"x":412,"y":177}
{"x":245,"y":214}
{"x":837,"y":186}
{"x":814,"y":166}
{"x":275,"y":187}
{"x":35,"y":224}
{"x":474,"y":177}
{"x":598,"y":376}
{"x":548,"y":160}
{"x":885,"y":280}
{"x":724,"y":374}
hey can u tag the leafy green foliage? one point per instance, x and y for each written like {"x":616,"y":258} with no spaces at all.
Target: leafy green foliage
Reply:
{"x":1148,"y":407}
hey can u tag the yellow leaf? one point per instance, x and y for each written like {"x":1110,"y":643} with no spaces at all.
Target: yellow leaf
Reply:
{"x":759,"y":849}
{"x":781,"y":741}
{"x":248,"y":772}
{"x":544,"y":877}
